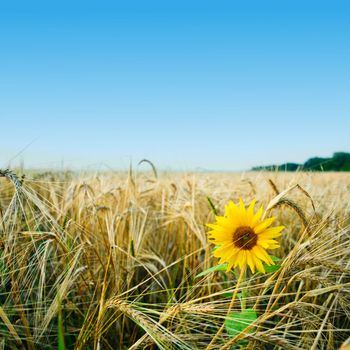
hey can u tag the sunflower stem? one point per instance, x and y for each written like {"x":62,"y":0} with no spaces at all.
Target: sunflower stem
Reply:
{"x":244,"y":292}
{"x":218,"y":333}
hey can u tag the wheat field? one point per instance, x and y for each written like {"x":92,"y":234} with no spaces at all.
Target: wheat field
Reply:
{"x":120,"y":261}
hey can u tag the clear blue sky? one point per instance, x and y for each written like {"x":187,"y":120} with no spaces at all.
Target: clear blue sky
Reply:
{"x":186,"y":84}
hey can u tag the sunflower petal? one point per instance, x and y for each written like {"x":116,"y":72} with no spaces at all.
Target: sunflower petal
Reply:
{"x":243,"y":216}
{"x":250,"y":261}
{"x":250,"y":211}
{"x":257,"y":217}
{"x":242,"y":259}
{"x":263,"y":225}
{"x":262,"y":255}
{"x":232,"y":259}
{"x":220,"y":236}
{"x":272,"y":232}
{"x":223,"y":250}
{"x":272,"y":244}
{"x":216,"y":227}
{"x":241,"y":204}
{"x":225,"y":222}
{"x":259,"y":265}
{"x":231,"y":209}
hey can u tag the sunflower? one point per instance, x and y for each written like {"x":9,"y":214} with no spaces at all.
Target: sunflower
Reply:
{"x":243,"y":237}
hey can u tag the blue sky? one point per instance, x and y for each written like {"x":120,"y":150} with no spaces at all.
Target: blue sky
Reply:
{"x":220,"y":85}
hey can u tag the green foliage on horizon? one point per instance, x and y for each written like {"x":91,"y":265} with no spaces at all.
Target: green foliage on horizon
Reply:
{"x":339,"y":162}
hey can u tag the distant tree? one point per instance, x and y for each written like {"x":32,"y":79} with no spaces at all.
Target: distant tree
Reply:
{"x":289,"y":167}
{"x":340,"y":161}
{"x":316,"y":164}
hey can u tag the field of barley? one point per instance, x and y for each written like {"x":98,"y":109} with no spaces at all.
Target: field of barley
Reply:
{"x":122,"y":261}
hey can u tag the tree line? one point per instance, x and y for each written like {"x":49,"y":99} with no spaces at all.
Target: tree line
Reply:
{"x":340,"y":161}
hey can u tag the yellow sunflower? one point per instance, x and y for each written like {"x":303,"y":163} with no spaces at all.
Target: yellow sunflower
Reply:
{"x":242,"y":237}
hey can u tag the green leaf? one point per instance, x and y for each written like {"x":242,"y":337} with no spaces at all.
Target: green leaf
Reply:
{"x":220,"y":267}
{"x":230,"y":295}
{"x":236,"y":322}
{"x":212,"y":206}
{"x":272,"y":268}
{"x":60,"y":332}
{"x":275,"y":258}
{"x":216,"y":247}
{"x":132,"y":248}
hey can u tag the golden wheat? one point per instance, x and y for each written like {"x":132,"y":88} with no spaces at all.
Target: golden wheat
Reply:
{"x":118,"y":254}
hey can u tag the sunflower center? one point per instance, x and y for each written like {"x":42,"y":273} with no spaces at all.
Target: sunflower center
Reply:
{"x":244,"y":238}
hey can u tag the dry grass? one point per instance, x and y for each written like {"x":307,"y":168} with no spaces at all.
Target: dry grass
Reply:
{"x":116,"y":257}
